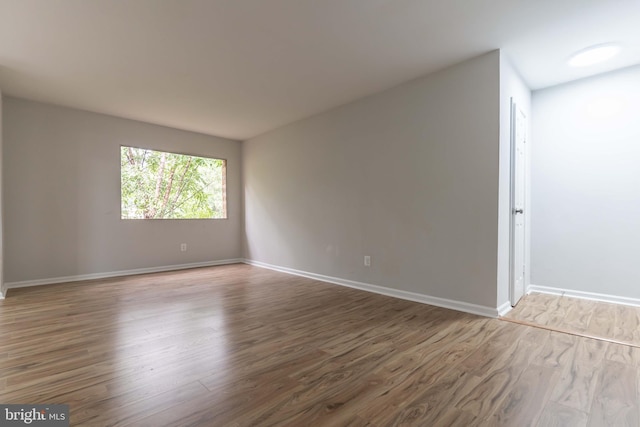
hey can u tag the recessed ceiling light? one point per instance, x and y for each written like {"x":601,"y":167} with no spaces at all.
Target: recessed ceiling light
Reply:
{"x":594,"y":55}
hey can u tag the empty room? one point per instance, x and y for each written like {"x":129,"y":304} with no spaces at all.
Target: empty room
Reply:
{"x":324,"y":213}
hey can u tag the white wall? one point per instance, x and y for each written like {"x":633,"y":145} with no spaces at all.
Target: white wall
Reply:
{"x":585,"y":184}
{"x":62,"y":196}
{"x":511,"y":87}
{"x":408,"y":176}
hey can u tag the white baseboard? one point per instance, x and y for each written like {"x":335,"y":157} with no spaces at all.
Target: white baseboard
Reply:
{"x":612,"y":299}
{"x":504,"y":308}
{"x":396,"y":293}
{"x":77,"y":278}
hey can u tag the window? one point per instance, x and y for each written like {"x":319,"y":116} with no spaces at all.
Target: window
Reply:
{"x":161,"y":185}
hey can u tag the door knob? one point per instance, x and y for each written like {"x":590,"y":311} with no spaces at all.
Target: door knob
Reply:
{"x":518,"y":211}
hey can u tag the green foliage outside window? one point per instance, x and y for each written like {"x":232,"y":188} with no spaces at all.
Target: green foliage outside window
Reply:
{"x":160,"y":185}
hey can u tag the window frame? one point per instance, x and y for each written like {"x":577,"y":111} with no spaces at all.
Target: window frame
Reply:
{"x":225,"y":181}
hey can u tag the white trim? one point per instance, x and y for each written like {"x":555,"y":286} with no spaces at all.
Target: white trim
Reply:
{"x":77,"y":278}
{"x":504,"y":308}
{"x":512,"y":179}
{"x":396,"y":293}
{"x":593,"y":296}
{"x":515,"y":110}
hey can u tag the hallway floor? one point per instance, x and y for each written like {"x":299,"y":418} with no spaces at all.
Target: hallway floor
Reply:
{"x":592,"y":319}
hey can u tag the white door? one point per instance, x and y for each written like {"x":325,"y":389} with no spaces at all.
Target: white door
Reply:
{"x":518,"y":211}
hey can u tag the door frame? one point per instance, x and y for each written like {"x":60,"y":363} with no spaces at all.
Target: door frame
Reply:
{"x":512,"y":187}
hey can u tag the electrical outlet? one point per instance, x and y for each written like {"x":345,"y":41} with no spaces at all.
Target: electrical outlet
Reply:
{"x":183,"y":247}
{"x":367,"y":261}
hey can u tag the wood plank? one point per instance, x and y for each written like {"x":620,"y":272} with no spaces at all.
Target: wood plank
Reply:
{"x":557,"y":415}
{"x":428,"y":405}
{"x":577,"y":385}
{"x":603,"y":320}
{"x":496,"y":381}
{"x":616,"y":399}
{"x":623,"y":354}
{"x":627,"y":326}
{"x":558,"y":351}
{"x":526,"y":400}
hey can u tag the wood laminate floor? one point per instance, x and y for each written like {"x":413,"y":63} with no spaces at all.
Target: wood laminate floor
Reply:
{"x":600,"y":320}
{"x":243,"y":346}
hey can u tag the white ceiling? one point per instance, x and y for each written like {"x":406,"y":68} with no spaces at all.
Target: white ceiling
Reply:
{"x":237,"y":68}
